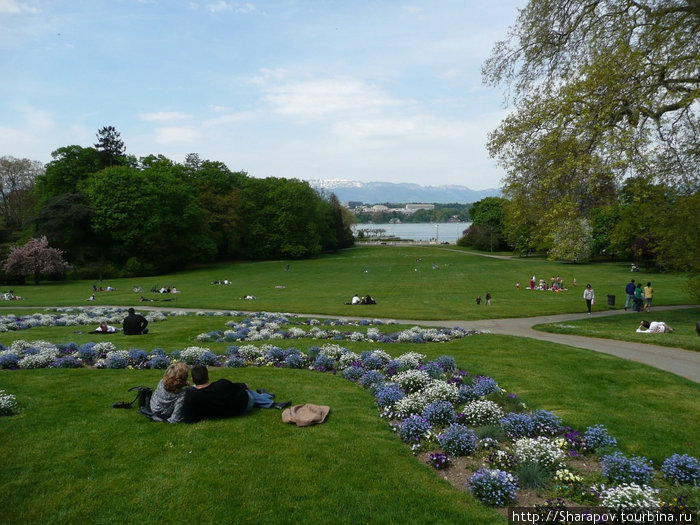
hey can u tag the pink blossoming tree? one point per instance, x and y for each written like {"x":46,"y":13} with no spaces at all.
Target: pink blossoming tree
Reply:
{"x":35,"y":258}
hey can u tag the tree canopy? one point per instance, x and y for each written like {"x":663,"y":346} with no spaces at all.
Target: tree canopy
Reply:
{"x":603,"y":91}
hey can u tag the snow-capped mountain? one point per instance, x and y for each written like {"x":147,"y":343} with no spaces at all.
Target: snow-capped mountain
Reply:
{"x":380,"y":192}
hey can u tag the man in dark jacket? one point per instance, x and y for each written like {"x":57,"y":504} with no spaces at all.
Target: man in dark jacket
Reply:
{"x":222,"y":398}
{"x":135,"y":324}
{"x":629,"y":290}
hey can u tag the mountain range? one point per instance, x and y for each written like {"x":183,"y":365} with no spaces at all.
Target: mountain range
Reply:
{"x":382,"y":192}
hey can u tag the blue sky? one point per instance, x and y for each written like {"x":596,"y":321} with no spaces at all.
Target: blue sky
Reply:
{"x":378,"y":90}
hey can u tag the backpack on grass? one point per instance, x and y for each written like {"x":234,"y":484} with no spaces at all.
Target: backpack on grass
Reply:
{"x":143,"y":397}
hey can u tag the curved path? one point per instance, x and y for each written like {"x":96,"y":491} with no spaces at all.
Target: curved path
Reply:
{"x":685,"y":363}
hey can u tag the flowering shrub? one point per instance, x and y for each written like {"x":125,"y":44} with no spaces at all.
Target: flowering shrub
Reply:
{"x":324,"y":363}
{"x":372,"y":379}
{"x":87,"y":352}
{"x":8,"y":403}
{"x":493,"y":487}
{"x":540,"y":450}
{"x":41,"y":359}
{"x":412,"y":380}
{"x":546,"y":423}
{"x":439,"y":413}
{"x":160,"y":362}
{"x":682,"y":468}
{"x":438,"y":390}
{"x":389,"y":395}
{"x":630,"y":496}
{"x":411,"y":359}
{"x":502,"y":459}
{"x":597,"y":437}
{"x":294,"y":360}
{"x":458,"y":440}
{"x":618,"y":469}
{"x":564,"y":475}
{"x":439,"y":460}
{"x":413,"y":428}
{"x":67,"y":361}
{"x":411,"y":404}
{"x":9,"y":359}
{"x":117,"y":359}
{"x":235,"y":362}
{"x":195,"y":355}
{"x":518,"y":425}
{"x":353,"y":373}
{"x":480,"y":413}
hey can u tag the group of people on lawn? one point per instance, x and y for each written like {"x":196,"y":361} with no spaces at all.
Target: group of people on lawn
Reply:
{"x":175,"y":400}
{"x":133,"y":324}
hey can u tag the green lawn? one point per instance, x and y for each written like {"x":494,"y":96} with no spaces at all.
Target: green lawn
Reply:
{"x":624,"y":328}
{"x":68,"y":457}
{"x":401,"y":279}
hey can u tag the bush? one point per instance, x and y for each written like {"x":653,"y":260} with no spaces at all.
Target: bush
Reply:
{"x":630,"y":497}
{"x":8,"y":403}
{"x":619,"y":469}
{"x":597,"y":437}
{"x":458,"y":440}
{"x":480,"y":413}
{"x":539,"y":450}
{"x":493,"y":487}
{"x":518,"y":425}
{"x":682,"y":468}
{"x":439,"y":413}
{"x":413,"y":428}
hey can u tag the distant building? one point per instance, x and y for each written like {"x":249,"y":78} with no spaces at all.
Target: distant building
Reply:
{"x":412,"y":208}
{"x":354,"y":204}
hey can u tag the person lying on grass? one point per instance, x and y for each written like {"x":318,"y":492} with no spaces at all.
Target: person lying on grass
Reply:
{"x":655,"y":327}
{"x":222,"y":398}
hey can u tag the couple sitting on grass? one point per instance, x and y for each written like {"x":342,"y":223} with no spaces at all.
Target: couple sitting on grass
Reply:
{"x":174,"y":400}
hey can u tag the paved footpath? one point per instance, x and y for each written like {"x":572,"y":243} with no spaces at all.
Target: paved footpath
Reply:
{"x":685,"y":363}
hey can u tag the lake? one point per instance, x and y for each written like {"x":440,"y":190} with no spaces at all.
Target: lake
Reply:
{"x":418,"y":231}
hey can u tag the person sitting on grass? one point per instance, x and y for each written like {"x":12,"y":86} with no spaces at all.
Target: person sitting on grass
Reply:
{"x":135,"y":324}
{"x":655,"y":327}
{"x":222,"y":398}
{"x":169,"y":396}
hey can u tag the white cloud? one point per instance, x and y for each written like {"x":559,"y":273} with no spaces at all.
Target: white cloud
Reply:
{"x":319,"y":98}
{"x":231,"y":7}
{"x":164,"y":116}
{"x":16,"y":7}
{"x":176,"y":135}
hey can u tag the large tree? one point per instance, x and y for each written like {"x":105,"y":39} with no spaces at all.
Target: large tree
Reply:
{"x":603,"y":89}
{"x":17,"y":178}
{"x":35,"y":258}
{"x":110,"y":146}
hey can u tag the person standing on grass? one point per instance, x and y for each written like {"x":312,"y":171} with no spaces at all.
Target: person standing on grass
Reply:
{"x":589,"y":296}
{"x":648,"y":294}
{"x":629,"y":290}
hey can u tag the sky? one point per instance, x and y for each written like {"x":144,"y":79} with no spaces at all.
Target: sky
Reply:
{"x":380,"y":90}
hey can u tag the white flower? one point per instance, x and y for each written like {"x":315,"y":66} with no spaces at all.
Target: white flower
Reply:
{"x":630,"y":496}
{"x":540,"y":450}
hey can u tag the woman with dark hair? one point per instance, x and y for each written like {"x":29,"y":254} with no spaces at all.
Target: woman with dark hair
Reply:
{"x":168,"y":398}
{"x":589,"y":296}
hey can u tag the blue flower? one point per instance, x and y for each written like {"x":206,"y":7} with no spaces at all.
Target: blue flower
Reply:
{"x":458,"y":440}
{"x":682,"y":468}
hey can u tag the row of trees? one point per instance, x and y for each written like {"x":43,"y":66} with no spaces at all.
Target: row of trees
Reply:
{"x":441,"y":213}
{"x":602,"y":149}
{"x":105,"y":210}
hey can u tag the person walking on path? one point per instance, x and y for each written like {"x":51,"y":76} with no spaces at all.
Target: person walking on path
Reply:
{"x":638,"y":298}
{"x":648,"y":293}
{"x":629,"y":290}
{"x":589,"y":296}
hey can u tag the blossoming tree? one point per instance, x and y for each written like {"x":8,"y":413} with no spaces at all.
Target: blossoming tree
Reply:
{"x":35,"y":258}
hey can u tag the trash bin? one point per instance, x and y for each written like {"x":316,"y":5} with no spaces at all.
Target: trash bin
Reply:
{"x":611,"y":300}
